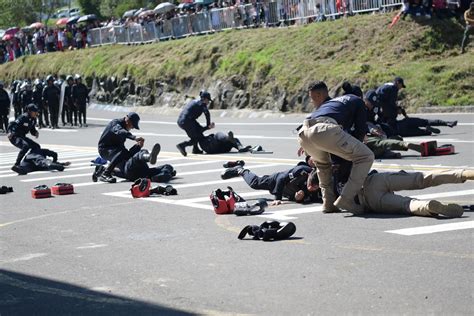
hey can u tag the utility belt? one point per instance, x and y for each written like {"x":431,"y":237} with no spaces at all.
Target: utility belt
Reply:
{"x":308,"y":123}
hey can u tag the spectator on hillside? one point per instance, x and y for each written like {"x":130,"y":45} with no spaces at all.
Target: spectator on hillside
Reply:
{"x":469,"y":18}
{"x":440,"y":8}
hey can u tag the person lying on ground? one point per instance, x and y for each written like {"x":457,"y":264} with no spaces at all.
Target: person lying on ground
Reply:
{"x":291,"y":184}
{"x":37,"y":160}
{"x":220,"y":143}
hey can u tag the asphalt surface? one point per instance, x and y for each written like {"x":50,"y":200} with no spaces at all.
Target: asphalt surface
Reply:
{"x":101,"y":252}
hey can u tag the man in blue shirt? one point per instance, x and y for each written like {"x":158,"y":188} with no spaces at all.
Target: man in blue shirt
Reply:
{"x":387,"y":96}
{"x":327,"y":130}
{"x":187,"y":120}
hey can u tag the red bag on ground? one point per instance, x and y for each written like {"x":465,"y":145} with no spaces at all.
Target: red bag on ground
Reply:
{"x":62,"y":189}
{"x":41,"y":192}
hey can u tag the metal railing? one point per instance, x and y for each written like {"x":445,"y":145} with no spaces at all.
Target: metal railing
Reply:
{"x":272,"y":13}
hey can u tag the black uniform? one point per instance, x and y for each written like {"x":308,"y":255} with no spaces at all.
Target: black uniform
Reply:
{"x":37,"y":160}
{"x":16,"y":99}
{"x":4,"y":109}
{"x":42,"y":109}
{"x":136,"y":167}
{"x":80,"y":95}
{"x":187,"y":120}
{"x":112,"y":142}
{"x":51,"y":97}
{"x":68,"y":107}
{"x":217,"y":143}
{"x":276,"y":183}
{"x":387,"y":95}
{"x":23,"y":125}
{"x":26,"y":97}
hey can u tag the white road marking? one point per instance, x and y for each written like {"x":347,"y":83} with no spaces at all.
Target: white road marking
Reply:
{"x":197,"y":163}
{"x":24,"y":258}
{"x":58,"y":130}
{"x":293,"y":138}
{"x":440,"y":141}
{"x":443,"y":194}
{"x":92,"y":246}
{"x":217,"y":123}
{"x":433,"y":229}
{"x":58,"y":174}
{"x":59,"y":177}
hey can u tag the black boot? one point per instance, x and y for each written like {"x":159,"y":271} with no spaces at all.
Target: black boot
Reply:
{"x":56,"y":166}
{"x":232,"y":172}
{"x":452,"y":123}
{"x":182,"y":148}
{"x":196,"y":150}
{"x":106,"y":176}
{"x":151,"y":157}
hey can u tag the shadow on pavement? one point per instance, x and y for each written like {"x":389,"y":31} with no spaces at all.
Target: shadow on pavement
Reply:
{"x":22,"y":294}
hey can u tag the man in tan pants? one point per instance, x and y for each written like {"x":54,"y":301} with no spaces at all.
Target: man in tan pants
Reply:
{"x":324,"y":132}
{"x":378,"y":194}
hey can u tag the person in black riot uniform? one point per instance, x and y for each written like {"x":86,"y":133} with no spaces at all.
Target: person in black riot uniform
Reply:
{"x":296,"y":184}
{"x":26,"y":95}
{"x":51,"y":96}
{"x":16,"y":91}
{"x":4,"y":108}
{"x":43,"y":114}
{"x":68,"y":103}
{"x":80,"y":95}
{"x":220,"y":143}
{"x":17,"y":131}
{"x":37,"y":160}
{"x":187,"y":120}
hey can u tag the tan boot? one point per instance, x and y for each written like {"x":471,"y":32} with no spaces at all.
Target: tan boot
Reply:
{"x":448,"y":210}
{"x":415,"y":147}
{"x":349,"y":205}
{"x":330,"y":208}
{"x":467,"y":175}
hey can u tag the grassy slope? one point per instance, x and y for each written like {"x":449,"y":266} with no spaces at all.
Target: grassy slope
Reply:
{"x":360,"y":49}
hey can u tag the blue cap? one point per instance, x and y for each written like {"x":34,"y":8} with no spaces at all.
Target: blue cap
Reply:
{"x":371,"y":96}
{"x":205,"y":95}
{"x":32,"y":108}
{"x":134,"y":118}
{"x":400,"y":81}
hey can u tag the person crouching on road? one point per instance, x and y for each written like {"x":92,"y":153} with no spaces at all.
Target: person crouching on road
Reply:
{"x":325,"y":132}
{"x":187,"y":120}
{"x":112,"y":143}
{"x":17,"y":131}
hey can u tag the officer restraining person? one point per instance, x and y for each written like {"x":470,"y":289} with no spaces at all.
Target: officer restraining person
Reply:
{"x":132,"y":163}
{"x":17,"y":131}
{"x":187,"y":121}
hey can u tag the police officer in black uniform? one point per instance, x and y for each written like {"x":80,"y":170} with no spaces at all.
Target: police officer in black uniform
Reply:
{"x":4,"y":108}
{"x":187,"y":120}
{"x":16,"y":90}
{"x":43,"y":114}
{"x":68,"y":103}
{"x":37,"y":160}
{"x":387,"y":96}
{"x":280,"y":184}
{"x":80,"y":95}
{"x":51,"y":97}
{"x":112,"y":144}
{"x":17,"y":131}
{"x":26,"y":95}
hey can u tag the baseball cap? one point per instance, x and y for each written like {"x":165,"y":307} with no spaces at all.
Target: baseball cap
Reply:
{"x":32,"y":107}
{"x":205,"y":95}
{"x":400,"y":80}
{"x":134,"y":118}
{"x":371,"y":96}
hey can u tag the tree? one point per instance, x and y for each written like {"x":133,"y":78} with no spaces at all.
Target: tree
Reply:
{"x":19,"y":12}
{"x":90,"y":7}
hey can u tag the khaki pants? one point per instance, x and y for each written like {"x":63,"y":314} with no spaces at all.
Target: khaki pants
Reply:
{"x":323,"y":136}
{"x":378,"y":192}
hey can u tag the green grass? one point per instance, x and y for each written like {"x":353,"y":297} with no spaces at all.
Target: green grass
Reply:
{"x":359,"y":49}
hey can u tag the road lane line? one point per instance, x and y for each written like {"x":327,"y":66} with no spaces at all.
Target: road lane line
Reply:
{"x":422,"y":230}
{"x":443,"y":194}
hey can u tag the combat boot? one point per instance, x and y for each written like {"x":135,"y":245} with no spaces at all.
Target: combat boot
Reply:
{"x":448,"y":210}
{"x":415,"y":147}
{"x":232,"y":172}
{"x":433,"y":130}
{"x":452,"y":123}
{"x":349,"y":205}
{"x":182,"y":148}
{"x":19,"y":170}
{"x":151,"y":157}
{"x":56,"y":166}
{"x":467,"y":175}
{"x":106,"y":176}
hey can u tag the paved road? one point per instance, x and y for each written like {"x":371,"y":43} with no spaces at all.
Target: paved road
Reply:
{"x":100,"y":251}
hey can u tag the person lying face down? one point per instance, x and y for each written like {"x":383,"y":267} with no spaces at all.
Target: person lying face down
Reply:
{"x":292,"y":184}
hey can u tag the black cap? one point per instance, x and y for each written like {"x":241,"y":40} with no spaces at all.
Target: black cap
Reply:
{"x":400,"y":81}
{"x":205,"y":95}
{"x":134,"y":118}
{"x":32,"y":107}
{"x":371,"y":96}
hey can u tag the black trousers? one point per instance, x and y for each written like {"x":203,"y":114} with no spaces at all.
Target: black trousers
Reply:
{"x":256,"y":182}
{"x":24,"y":144}
{"x":54,"y":114}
